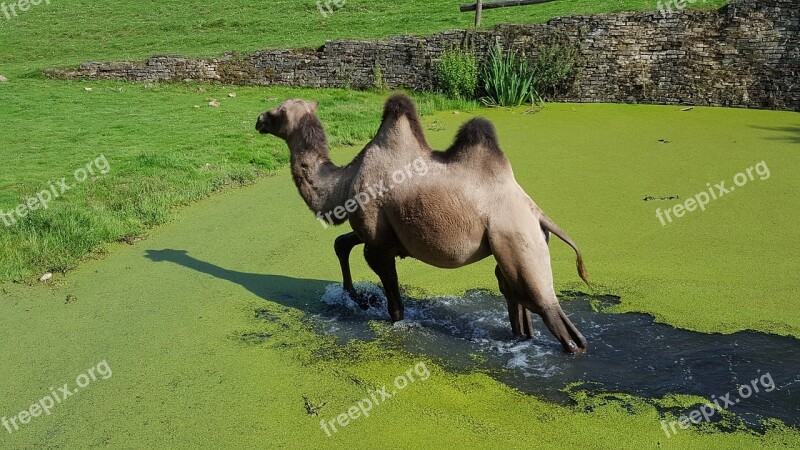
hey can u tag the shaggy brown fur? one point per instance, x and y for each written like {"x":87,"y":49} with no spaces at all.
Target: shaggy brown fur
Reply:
{"x":464,"y":206}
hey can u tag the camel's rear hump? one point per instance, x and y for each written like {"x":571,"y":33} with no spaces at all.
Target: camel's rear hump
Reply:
{"x":477,"y":134}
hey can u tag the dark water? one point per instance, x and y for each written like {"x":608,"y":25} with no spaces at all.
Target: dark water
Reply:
{"x":627,"y":352}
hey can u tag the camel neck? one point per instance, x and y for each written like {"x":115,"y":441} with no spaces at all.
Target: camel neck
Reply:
{"x":318,"y":179}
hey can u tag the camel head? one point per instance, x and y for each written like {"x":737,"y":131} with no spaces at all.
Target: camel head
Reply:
{"x":285,"y":118}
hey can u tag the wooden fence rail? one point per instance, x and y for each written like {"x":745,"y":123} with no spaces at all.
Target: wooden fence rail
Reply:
{"x":478,"y":6}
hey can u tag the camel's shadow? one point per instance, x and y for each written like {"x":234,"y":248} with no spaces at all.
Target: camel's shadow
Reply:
{"x":792,"y":133}
{"x":628,"y":352}
{"x":287,"y":291}
{"x":327,"y":302}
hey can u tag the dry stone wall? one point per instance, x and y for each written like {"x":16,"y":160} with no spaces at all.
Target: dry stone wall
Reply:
{"x":747,"y":54}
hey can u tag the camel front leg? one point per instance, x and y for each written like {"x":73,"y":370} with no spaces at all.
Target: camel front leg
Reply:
{"x":518,"y":315}
{"x":343,"y":245}
{"x":383,"y":264}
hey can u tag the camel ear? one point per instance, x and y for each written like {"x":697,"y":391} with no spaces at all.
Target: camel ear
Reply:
{"x":313,"y":106}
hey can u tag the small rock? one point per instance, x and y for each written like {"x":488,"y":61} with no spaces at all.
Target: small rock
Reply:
{"x":271,"y":99}
{"x":71,"y":298}
{"x":688,"y":109}
{"x":664,"y":141}
{"x":213,"y":103}
{"x":88,"y":89}
{"x":201,"y":89}
{"x":196,"y":106}
{"x":232,"y":95}
{"x":46,"y":276}
{"x":2,"y":78}
{"x":456,"y":112}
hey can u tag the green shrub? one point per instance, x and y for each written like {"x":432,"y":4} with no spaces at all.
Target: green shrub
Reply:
{"x":458,"y":73}
{"x":507,"y":79}
{"x":554,"y":69}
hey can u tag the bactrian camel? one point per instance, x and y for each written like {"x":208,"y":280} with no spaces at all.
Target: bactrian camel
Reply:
{"x":466,"y":207}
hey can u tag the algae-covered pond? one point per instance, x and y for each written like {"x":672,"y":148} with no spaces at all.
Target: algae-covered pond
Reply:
{"x":226,"y":327}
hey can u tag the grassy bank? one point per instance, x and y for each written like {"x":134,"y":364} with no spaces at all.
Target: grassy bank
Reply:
{"x":165,"y":146}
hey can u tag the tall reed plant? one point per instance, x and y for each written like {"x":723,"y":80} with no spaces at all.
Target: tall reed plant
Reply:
{"x":508,"y":79}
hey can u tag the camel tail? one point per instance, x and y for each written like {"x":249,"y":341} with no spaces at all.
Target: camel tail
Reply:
{"x":550,"y":226}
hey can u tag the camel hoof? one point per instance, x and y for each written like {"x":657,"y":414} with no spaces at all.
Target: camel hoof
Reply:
{"x":562,"y":328}
{"x":575,"y":349}
{"x":523,"y":336}
{"x":524,"y":330}
{"x":365,"y":301}
{"x":358,"y":299}
{"x":362,"y":302}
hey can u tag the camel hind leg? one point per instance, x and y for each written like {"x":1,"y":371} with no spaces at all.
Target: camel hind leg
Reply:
{"x":524,"y":262}
{"x":518,"y":315}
